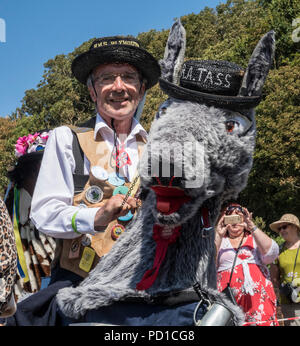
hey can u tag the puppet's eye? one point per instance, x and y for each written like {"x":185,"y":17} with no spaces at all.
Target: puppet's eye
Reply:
{"x":237,"y":123}
{"x":230,"y":125}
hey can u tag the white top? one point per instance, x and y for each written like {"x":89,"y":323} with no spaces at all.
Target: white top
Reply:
{"x":227,"y":253}
{"x":51,"y":208}
{"x":248,"y":254}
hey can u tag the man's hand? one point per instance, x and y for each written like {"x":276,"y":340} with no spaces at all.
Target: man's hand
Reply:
{"x":113,"y":209}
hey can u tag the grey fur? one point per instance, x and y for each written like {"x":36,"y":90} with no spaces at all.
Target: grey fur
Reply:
{"x":174,"y":54}
{"x":225,"y":164}
{"x":259,"y":65}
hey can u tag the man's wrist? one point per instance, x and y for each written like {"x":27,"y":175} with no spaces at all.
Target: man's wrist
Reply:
{"x":101,"y":222}
{"x":100,"y":228}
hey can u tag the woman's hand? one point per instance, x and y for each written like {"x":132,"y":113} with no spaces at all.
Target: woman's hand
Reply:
{"x":249,"y":224}
{"x":221,"y":228}
{"x":220,"y":232}
{"x":263,"y":241}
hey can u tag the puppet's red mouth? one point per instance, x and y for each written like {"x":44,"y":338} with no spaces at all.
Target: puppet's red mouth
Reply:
{"x":169,"y":199}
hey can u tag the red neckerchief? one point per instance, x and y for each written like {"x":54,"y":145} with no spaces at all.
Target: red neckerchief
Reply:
{"x":121,"y":156}
{"x":168,"y":200}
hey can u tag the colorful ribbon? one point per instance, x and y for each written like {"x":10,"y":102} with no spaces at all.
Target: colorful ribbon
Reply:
{"x":168,"y":200}
{"x":21,"y":262}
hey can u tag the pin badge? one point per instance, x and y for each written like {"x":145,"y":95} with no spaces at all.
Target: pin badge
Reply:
{"x":74,"y":251}
{"x":122,"y":190}
{"x":116,"y":231}
{"x":115,"y":179}
{"x":99,"y":173}
{"x":126,"y":217}
{"x":87,"y":259}
{"x":86,"y":240}
{"x":94,"y":194}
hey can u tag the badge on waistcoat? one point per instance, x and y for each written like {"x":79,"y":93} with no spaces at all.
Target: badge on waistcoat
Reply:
{"x":116,"y":231}
{"x":99,"y":173}
{"x":94,"y":194}
{"x":126,"y":217}
{"x":86,"y":240}
{"x":122,"y":190}
{"x":87,"y":259}
{"x":115,"y":179}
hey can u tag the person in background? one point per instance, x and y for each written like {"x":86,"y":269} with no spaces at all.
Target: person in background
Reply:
{"x":86,"y":171}
{"x":8,"y":264}
{"x":250,"y":281}
{"x":285,"y":271}
{"x":35,"y":250}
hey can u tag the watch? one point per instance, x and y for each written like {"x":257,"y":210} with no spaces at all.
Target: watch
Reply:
{"x":253,"y":229}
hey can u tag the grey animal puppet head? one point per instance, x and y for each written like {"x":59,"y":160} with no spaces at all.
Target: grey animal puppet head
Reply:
{"x":198,"y":156}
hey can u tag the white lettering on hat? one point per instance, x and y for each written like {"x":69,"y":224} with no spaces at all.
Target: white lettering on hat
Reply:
{"x":219,"y":80}
{"x":226,"y":79}
{"x":182,"y":72}
{"x":209,"y":76}
{"x":201,"y":71}
{"x":190,"y":73}
{"x":206,"y":76}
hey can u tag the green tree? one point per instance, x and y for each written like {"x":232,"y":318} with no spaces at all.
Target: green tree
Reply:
{"x":228,"y":32}
{"x":274,"y":182}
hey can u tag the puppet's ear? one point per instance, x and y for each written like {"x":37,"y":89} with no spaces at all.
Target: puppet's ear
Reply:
{"x":259,"y":65}
{"x":174,"y":54}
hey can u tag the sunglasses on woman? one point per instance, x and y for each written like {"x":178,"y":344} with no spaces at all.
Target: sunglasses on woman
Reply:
{"x":231,"y":208}
{"x":282,"y":227}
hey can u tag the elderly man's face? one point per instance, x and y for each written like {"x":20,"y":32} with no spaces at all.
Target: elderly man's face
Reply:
{"x":119,"y":90}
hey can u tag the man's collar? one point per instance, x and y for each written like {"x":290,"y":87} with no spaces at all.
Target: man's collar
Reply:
{"x":136,"y":127}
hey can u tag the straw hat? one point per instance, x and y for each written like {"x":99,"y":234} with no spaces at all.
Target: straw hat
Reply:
{"x":286,"y":218}
{"x":116,"y":49}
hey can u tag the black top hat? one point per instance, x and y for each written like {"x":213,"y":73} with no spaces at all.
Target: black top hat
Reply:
{"x":116,"y":49}
{"x":215,"y":83}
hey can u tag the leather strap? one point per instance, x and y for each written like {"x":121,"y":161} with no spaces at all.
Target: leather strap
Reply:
{"x":235,"y":259}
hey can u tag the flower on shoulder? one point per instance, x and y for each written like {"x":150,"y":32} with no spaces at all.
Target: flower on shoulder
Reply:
{"x":31,"y":143}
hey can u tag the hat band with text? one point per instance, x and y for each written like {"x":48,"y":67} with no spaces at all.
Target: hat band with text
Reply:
{"x":114,"y":42}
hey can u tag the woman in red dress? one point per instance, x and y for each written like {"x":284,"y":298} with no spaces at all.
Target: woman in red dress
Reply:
{"x":250,"y":281}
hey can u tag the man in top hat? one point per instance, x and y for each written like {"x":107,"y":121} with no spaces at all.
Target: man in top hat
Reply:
{"x":81,"y":194}
{"x":79,"y":198}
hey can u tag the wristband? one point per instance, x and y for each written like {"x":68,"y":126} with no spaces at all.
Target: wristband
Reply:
{"x":253,"y":229}
{"x":74,"y":223}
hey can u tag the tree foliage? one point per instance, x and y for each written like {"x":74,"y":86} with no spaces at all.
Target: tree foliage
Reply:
{"x":228,"y":32}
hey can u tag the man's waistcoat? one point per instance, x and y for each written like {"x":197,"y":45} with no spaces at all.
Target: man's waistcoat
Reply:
{"x":98,"y":154}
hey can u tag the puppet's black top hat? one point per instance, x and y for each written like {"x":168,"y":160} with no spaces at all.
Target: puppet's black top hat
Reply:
{"x":215,"y":83}
{"x":116,"y":49}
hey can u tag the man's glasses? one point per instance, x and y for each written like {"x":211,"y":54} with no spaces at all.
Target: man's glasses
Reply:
{"x":282,"y":227}
{"x":109,"y":78}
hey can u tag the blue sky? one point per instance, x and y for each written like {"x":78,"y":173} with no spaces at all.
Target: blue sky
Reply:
{"x":38,"y":30}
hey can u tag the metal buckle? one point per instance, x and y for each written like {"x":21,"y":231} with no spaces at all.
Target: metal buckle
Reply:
{"x":204,"y":301}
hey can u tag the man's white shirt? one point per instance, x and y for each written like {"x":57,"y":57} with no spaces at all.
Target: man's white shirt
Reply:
{"x":51,"y":208}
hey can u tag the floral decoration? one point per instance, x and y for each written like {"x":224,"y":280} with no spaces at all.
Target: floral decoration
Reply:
{"x":31,"y":143}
